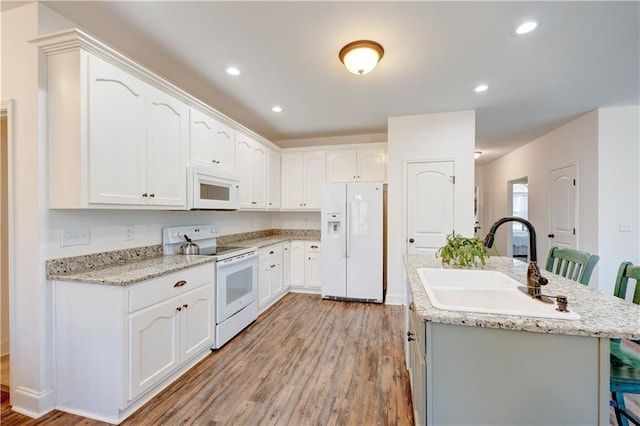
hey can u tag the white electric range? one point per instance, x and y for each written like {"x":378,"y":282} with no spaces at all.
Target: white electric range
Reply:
{"x":236,"y":277}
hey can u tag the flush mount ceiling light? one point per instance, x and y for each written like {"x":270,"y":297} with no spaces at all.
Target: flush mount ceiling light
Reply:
{"x":477,"y":154}
{"x":276,"y":109}
{"x":480,"y":88}
{"x":526,"y":27}
{"x":233,"y":71}
{"x":361,"y":56}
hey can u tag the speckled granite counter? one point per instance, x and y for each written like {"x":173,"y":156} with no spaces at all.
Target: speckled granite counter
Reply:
{"x":128,"y":266}
{"x":602,"y":315}
{"x":132,"y":272}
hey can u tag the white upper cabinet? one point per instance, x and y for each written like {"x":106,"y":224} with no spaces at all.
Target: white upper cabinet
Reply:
{"x":211,"y":143}
{"x":273,"y":195}
{"x":167,"y":121}
{"x":115,"y":140}
{"x":137,"y":139}
{"x":251,"y":167}
{"x":302,"y":177}
{"x":362,"y":165}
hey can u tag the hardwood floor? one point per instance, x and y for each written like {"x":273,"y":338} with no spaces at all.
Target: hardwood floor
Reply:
{"x":304,"y":362}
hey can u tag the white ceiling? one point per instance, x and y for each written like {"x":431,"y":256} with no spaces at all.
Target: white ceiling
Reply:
{"x":583,"y":55}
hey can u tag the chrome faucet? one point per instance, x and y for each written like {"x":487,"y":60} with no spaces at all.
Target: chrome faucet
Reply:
{"x":534,"y":278}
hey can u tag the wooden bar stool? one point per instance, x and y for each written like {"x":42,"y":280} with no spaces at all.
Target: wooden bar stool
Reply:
{"x":573,"y":264}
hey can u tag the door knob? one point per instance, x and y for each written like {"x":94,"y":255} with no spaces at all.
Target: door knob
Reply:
{"x":411,"y":240}
{"x":551,"y":235}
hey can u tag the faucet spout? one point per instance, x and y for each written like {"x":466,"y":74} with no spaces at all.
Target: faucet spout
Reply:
{"x":488,"y":241}
{"x":534,"y":277}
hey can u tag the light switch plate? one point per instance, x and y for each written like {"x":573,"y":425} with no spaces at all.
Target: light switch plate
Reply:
{"x":75,"y":237}
{"x":624,"y":227}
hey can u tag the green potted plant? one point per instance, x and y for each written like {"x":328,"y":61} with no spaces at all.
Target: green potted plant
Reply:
{"x":462,"y":252}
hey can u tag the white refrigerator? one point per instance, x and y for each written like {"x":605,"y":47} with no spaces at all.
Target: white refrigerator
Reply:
{"x":352,"y":241}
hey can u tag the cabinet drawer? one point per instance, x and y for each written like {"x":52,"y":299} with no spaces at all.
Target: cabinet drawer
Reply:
{"x":269,"y":252}
{"x":158,"y":289}
{"x":312,"y":246}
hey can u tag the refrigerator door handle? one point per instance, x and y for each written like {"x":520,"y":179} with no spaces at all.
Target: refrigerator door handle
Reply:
{"x":347,"y":229}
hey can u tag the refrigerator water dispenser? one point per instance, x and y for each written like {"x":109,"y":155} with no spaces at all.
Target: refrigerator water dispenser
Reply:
{"x":334,"y":225}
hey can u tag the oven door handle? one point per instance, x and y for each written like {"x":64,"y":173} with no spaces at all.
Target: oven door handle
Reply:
{"x":236,"y":259}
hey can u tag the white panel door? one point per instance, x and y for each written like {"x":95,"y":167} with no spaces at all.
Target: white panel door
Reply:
{"x":167,"y":133}
{"x":274,"y":180}
{"x":224,"y":147}
{"x":364,"y":241}
{"x":563,"y":207}
{"x":333,"y":280}
{"x":297,"y":263}
{"x":264,"y":283}
{"x":341,"y":166}
{"x":116,"y":132}
{"x":372,"y":165}
{"x":275,"y":282}
{"x":312,"y":270}
{"x":314,"y":177}
{"x":244,"y":163}
{"x":153,"y":345}
{"x":286,"y":266}
{"x":201,"y":135}
{"x":292,"y":181}
{"x":430,"y":188}
{"x":196,"y":321}
{"x":258,"y":176}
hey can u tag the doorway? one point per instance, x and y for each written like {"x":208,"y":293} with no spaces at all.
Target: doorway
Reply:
{"x":519,"y":199}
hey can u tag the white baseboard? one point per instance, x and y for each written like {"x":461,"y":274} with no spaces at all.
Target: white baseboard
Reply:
{"x":394,"y":299}
{"x":31,"y":403}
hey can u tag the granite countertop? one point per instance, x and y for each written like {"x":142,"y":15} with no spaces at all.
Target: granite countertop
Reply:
{"x":133,"y":271}
{"x":264,"y":241}
{"x":601,"y":315}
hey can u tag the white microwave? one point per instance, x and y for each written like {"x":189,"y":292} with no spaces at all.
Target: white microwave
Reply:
{"x":210,"y":189}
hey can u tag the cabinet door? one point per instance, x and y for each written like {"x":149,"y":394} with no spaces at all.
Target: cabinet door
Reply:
{"x":297,"y":263}
{"x":372,"y":165}
{"x":264,"y":284}
{"x":286,"y":266}
{"x":312,"y":270}
{"x":292,"y":181}
{"x":314,"y":177}
{"x":196,"y":321}
{"x":274,"y":180}
{"x":275,"y":284}
{"x":167,"y":131}
{"x":224,"y":147}
{"x":153,"y":345}
{"x":341,"y":166}
{"x":259,"y":176}
{"x":244,"y":159}
{"x":116,"y":132}
{"x":201,"y":139}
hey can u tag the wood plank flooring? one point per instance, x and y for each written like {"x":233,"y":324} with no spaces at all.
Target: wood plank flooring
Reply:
{"x":306,"y":361}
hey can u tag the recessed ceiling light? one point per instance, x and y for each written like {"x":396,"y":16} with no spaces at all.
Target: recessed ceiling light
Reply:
{"x":276,"y":109}
{"x":233,"y":71}
{"x":480,"y":88}
{"x":526,"y":27}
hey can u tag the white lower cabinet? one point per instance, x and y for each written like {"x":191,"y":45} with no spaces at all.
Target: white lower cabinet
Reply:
{"x":118,"y":346}
{"x":270,"y":275}
{"x":305,"y":266}
{"x":286,"y":266}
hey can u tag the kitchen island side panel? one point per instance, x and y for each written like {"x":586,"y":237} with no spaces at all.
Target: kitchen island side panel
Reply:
{"x":490,"y":376}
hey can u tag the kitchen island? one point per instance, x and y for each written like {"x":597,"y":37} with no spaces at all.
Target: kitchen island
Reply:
{"x":476,"y":368}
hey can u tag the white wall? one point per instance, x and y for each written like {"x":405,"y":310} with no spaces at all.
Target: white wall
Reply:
{"x":575,"y":142}
{"x":618,"y":190}
{"x":426,"y":137}
{"x":605,"y":145}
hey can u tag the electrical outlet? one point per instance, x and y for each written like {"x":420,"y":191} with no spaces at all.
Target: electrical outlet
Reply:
{"x":75,"y":237}
{"x":128,"y":233}
{"x":624,"y":227}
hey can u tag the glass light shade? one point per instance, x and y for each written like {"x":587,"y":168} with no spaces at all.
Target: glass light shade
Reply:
{"x":361,"y":56}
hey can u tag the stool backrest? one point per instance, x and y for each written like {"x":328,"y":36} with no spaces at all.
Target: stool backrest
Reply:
{"x":573,"y":264}
{"x":627,"y":271}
